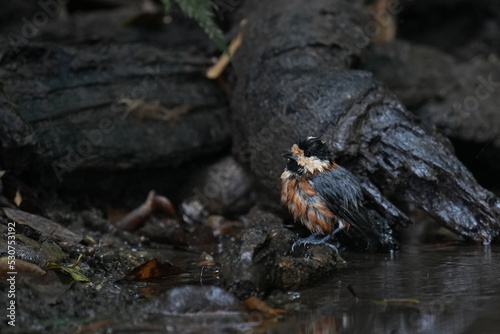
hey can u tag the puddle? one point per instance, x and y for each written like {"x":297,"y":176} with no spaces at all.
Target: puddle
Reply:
{"x":429,"y":290}
{"x":421,"y":289}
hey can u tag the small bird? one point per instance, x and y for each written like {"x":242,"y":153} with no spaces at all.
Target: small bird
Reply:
{"x":323,"y":196}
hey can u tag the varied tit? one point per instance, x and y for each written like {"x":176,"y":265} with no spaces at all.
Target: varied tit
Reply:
{"x":323,"y":196}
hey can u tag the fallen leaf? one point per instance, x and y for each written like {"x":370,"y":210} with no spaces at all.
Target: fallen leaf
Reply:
{"x":216,"y":70}
{"x":256,"y":304}
{"x":153,"y":269}
{"x":75,"y":273}
{"x":43,"y":225}
{"x":18,"y":199}
{"x":18,"y":266}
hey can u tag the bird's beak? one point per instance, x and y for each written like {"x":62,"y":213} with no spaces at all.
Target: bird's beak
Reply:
{"x":288,"y":155}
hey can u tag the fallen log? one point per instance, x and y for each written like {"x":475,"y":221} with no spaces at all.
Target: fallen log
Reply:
{"x":109,"y":99}
{"x":294,"y":78}
{"x":459,"y":98}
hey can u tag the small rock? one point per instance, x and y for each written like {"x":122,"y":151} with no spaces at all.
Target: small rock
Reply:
{"x":222,"y":188}
{"x":197,"y":299}
{"x":262,"y":259}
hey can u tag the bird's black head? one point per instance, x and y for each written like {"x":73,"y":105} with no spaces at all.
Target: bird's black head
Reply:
{"x":308,"y":155}
{"x":314,"y":147}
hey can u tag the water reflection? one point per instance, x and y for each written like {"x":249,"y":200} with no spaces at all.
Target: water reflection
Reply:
{"x":458,"y":290}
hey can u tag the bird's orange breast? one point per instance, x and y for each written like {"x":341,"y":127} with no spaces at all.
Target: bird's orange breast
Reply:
{"x":306,"y":205}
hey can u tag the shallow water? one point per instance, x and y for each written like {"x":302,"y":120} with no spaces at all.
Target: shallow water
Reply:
{"x":429,"y":289}
{"x":420,"y":289}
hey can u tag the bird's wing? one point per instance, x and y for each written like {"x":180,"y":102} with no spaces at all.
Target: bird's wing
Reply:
{"x":343,"y":195}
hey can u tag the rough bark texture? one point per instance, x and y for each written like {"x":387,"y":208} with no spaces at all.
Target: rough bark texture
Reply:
{"x":17,"y":142}
{"x":293,"y":78}
{"x":460,"y":98}
{"x":109,"y":98}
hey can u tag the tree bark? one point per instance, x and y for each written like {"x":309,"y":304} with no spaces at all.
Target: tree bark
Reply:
{"x":107,"y":98}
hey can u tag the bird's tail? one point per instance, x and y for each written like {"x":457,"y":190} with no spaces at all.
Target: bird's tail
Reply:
{"x":371,"y":232}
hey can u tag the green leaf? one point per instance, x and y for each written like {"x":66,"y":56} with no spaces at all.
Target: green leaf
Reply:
{"x":73,"y":271}
{"x":201,"y":11}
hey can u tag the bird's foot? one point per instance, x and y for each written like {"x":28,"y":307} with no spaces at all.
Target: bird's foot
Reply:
{"x":312,"y":240}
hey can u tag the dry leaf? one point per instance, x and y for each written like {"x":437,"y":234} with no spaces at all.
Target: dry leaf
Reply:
{"x":216,"y":70}
{"x":43,"y":225}
{"x":18,"y":265}
{"x":153,"y":269}
{"x":18,"y":199}
{"x":256,"y":304}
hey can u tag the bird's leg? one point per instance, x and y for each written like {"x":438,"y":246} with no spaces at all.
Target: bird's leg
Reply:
{"x":337,"y":230}
{"x":312,"y":240}
{"x":342,"y":225}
